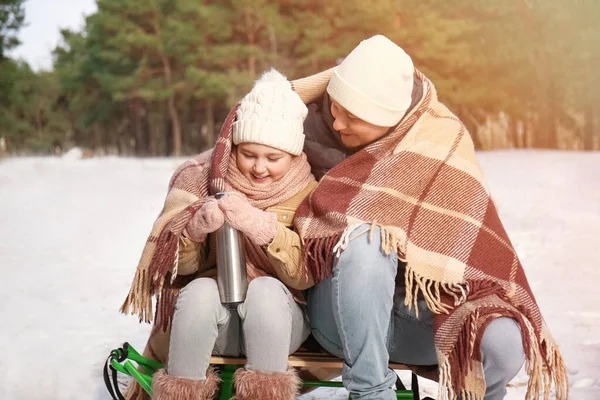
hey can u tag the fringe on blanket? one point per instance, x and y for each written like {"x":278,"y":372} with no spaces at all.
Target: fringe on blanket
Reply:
{"x":139,"y":299}
{"x":319,"y":256}
{"x":544,"y":364}
{"x":431,"y":290}
{"x":150,"y":281}
{"x":165,"y":306}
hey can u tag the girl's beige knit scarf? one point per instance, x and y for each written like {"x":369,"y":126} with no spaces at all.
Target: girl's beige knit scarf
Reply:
{"x":423,"y":186}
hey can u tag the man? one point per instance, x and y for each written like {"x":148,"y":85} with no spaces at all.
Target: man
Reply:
{"x":413,"y":262}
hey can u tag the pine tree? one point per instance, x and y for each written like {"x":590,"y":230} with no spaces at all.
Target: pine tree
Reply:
{"x":12,"y":17}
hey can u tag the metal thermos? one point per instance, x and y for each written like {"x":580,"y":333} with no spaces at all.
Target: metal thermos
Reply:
{"x":232,"y":279}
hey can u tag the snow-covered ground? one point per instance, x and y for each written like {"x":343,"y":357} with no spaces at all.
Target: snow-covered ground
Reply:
{"x":71,"y":232}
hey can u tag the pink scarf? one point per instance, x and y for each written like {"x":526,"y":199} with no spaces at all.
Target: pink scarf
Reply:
{"x":296,"y":179}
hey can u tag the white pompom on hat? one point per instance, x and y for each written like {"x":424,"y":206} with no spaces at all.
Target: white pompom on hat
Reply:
{"x":374,"y":82}
{"x":271,"y":114}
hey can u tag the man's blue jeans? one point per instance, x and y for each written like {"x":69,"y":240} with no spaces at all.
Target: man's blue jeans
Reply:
{"x":359,"y":315}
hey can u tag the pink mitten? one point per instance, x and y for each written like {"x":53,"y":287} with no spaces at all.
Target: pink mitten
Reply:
{"x":207,"y":219}
{"x":259,"y":226}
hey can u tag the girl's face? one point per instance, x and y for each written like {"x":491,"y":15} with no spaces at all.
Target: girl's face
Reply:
{"x":262,"y":165}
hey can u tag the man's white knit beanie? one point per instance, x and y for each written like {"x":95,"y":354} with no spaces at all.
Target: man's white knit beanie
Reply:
{"x":271,"y":114}
{"x":374,"y":82}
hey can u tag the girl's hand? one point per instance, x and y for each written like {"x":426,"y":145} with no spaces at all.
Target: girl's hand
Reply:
{"x":259,"y":226}
{"x":207,"y":219}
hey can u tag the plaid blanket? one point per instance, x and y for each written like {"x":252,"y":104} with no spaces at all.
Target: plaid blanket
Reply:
{"x":423,"y":186}
{"x":156,"y":273}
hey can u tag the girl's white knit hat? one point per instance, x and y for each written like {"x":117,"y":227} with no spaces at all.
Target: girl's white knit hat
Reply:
{"x":374,"y":82}
{"x":271,"y":114}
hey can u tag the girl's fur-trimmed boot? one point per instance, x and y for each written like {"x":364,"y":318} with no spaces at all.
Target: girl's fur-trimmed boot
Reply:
{"x":167,"y":387}
{"x":253,"y":385}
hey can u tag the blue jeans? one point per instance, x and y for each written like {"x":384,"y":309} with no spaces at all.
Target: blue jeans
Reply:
{"x":267,"y":327}
{"x":359,"y":315}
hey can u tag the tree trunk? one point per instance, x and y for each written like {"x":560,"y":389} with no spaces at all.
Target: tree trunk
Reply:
{"x":173,"y":115}
{"x":114,"y":137}
{"x":166,"y":65}
{"x":145,"y":122}
{"x":314,"y":64}
{"x":472,"y":126}
{"x":529,"y":130}
{"x":152,"y":133}
{"x":514,"y":134}
{"x":251,"y":31}
{"x":547,"y":130}
{"x":210,"y":124}
{"x":176,"y":126}
{"x":589,"y":129}
{"x":39,"y":120}
{"x":137,"y":126}
{"x":168,"y":135}
{"x":273,"y":42}
{"x":545,"y":134}
{"x":97,"y":137}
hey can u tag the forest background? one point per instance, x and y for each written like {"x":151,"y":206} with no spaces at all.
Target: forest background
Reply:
{"x":157,"y":77}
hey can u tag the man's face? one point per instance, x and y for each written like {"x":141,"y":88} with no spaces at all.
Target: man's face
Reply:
{"x":354,"y":132}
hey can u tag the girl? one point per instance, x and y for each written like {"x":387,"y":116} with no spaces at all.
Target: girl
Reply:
{"x":258,"y":162}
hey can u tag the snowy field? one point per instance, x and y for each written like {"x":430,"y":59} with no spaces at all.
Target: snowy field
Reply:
{"x":71,"y":232}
